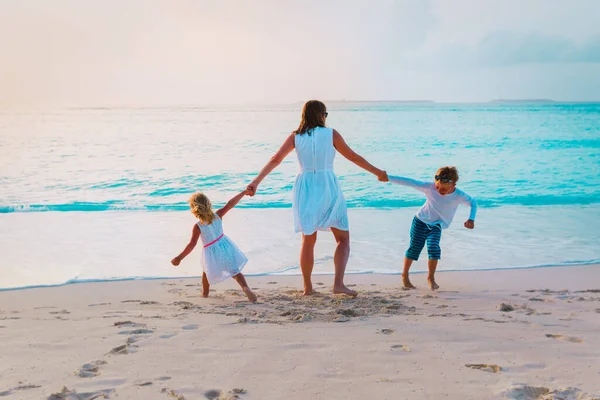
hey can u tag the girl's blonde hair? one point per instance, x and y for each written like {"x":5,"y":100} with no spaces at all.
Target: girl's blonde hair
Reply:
{"x":201,"y":207}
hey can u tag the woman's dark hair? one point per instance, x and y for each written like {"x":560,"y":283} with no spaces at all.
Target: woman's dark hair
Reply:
{"x":313,"y":115}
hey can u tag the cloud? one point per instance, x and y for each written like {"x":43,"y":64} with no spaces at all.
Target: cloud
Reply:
{"x":160,"y":52}
{"x":510,"y":48}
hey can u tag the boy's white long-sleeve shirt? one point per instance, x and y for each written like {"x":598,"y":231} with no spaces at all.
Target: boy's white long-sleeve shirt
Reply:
{"x":438,"y":209}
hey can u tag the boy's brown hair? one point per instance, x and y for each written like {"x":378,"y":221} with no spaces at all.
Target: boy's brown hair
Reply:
{"x":448,"y":173}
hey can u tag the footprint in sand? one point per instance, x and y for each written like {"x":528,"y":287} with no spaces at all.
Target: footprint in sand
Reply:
{"x":386,"y":331}
{"x":134,"y":339}
{"x":402,"y":347}
{"x":190,"y":327}
{"x":66,"y":394}
{"x":60,"y":312}
{"x":485,"y":367}
{"x":90,"y":370}
{"x":146,"y":303}
{"x":172,"y":393}
{"x":18,"y":389}
{"x":212,"y":394}
{"x":123,"y":349}
{"x":137,"y":332}
{"x":98,"y":304}
{"x":168,"y":335}
{"x":505,"y":307}
{"x":233,"y":394}
{"x":526,"y":392}
{"x":218,"y":394}
{"x":349,"y":312}
{"x":564,"y":337}
{"x":128,"y":324}
{"x":342,"y":319}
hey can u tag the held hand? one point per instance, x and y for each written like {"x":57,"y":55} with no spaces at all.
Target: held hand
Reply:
{"x":251,"y":188}
{"x":470,"y":224}
{"x":383,"y":176}
{"x":175,"y":261}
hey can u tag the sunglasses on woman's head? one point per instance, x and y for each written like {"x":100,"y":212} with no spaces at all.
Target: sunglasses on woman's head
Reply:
{"x":443,"y":179}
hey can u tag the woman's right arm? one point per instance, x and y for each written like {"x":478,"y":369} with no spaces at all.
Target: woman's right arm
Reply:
{"x":340,"y":145}
{"x":285,"y":149}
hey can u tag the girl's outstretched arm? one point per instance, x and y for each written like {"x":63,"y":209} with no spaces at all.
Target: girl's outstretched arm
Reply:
{"x":285,"y":149}
{"x":232,"y":203}
{"x":190,"y":246}
{"x":345,"y":150}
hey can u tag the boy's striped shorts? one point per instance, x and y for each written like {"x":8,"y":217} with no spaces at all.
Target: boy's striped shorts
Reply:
{"x":420,"y":232}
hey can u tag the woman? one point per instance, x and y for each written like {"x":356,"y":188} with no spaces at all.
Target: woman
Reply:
{"x":318,"y":202}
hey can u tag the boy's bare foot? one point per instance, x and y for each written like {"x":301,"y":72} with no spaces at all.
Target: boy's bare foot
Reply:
{"x":249,"y":294}
{"x":344,"y":290}
{"x":432,"y":284}
{"x":406,"y":283}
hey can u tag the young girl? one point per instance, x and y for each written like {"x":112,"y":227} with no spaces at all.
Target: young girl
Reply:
{"x":221,"y":257}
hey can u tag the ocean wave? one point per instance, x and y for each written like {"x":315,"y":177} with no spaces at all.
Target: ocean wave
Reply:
{"x":288,"y":271}
{"x":356,"y":202}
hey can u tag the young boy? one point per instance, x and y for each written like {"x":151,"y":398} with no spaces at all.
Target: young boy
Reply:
{"x":436,"y":214}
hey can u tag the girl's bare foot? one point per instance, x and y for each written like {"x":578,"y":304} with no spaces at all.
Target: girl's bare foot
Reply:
{"x":406,"y":283}
{"x":342,"y":289}
{"x":432,"y":284}
{"x":205,"y":293}
{"x":249,"y":294}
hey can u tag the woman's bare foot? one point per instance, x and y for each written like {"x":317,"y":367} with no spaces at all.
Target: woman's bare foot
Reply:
{"x":344,"y":290}
{"x":432,"y":284}
{"x":308,"y":289}
{"x":249,"y":294}
{"x":205,"y":293}
{"x":406,"y":283}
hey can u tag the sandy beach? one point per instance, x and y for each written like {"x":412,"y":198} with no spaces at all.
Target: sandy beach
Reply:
{"x":160,"y":339}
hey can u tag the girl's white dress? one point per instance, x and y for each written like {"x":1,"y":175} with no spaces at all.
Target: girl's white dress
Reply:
{"x":221,"y":258}
{"x":317,"y":200}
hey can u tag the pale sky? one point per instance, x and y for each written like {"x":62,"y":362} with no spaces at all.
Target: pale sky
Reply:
{"x":201,"y":52}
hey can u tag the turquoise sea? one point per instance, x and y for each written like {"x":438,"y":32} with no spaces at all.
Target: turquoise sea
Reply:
{"x":95,"y":194}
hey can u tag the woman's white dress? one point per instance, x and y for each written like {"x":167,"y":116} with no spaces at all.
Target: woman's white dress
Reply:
{"x":221,"y":258}
{"x":317,"y":199}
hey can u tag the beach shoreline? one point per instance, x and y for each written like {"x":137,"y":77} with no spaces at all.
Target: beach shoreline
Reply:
{"x":153,"y":339}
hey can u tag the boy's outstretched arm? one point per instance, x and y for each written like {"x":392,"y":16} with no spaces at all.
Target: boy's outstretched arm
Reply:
{"x":413,"y":183}
{"x":232,"y":203}
{"x":188,"y":249}
{"x":469,"y":201}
